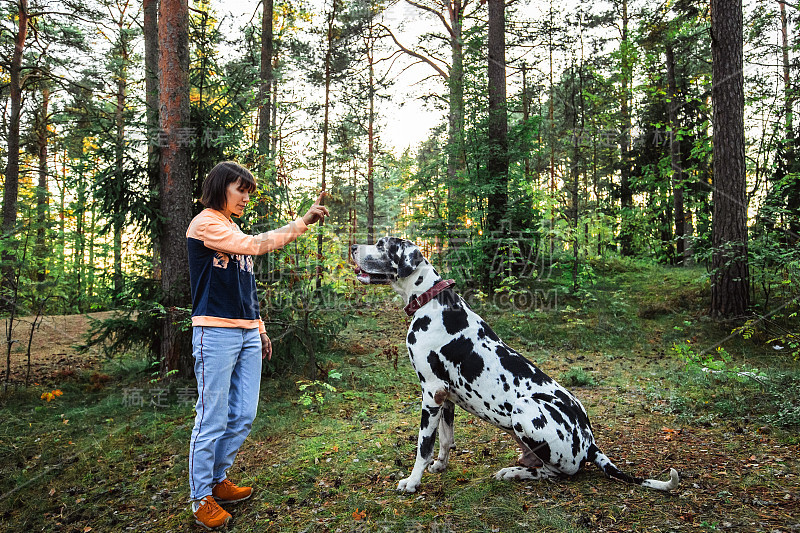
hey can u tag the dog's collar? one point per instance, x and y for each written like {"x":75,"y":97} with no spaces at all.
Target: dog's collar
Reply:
{"x":416,"y":303}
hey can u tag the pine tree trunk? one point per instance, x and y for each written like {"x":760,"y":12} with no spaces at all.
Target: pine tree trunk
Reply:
{"x":175,"y":180}
{"x":275,"y":133}
{"x":455,"y":134}
{"x":497,"y":157}
{"x":42,"y":194}
{"x":675,"y":156}
{"x":150,"y":9}
{"x":80,"y":235}
{"x":119,"y":163}
{"x":265,"y":87}
{"x":325,"y":128}
{"x":575,"y":192}
{"x":526,"y":104}
{"x":793,"y":193}
{"x":370,"y":42}
{"x":92,"y":236}
{"x":626,"y":194}
{"x":11,"y":184}
{"x":730,"y":277}
{"x":497,"y":163}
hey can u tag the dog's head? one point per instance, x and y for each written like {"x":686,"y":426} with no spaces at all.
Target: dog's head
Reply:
{"x":386,"y":261}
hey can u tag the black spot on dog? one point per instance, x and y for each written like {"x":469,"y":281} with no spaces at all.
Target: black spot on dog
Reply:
{"x":455,"y":320}
{"x":572,"y":409}
{"x":540,"y":422}
{"x":421,"y":324}
{"x":556,"y":415}
{"x":519,"y":367}
{"x":460,"y":352}
{"x":426,"y":446}
{"x":508,"y":407}
{"x":425,"y":418}
{"x":419,"y":280}
{"x":449,"y":413}
{"x":421,"y":377}
{"x":576,"y":442}
{"x":411,"y":339}
{"x":437,"y":367}
{"x":408,"y":263}
{"x":433,"y":410}
{"x":489,"y":332}
{"x":518,"y":427}
{"x":560,"y":435}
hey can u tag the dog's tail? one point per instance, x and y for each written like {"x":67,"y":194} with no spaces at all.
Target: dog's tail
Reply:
{"x":599,"y":458}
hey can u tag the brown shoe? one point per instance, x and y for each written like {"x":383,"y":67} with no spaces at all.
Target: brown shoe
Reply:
{"x":210,"y":515}
{"x":227,"y":492}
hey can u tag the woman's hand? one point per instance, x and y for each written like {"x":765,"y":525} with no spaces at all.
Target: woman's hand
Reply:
{"x":317,"y":211}
{"x":266,"y":347}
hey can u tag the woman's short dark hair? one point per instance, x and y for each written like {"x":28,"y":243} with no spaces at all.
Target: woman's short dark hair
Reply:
{"x":217,"y":181}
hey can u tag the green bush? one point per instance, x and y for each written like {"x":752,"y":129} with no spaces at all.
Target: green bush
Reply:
{"x":577,"y":377}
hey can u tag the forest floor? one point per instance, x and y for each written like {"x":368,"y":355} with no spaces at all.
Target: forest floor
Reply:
{"x":109,"y":453}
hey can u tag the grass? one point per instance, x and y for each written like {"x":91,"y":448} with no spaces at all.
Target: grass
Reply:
{"x":91,"y":459}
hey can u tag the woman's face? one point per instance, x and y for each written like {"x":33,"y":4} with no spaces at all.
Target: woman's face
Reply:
{"x":236,"y":197}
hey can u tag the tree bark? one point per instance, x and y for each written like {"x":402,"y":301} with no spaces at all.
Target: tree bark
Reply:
{"x":325,"y":128}
{"x":675,"y":156}
{"x":370,"y":50}
{"x":626,"y":194}
{"x":455,"y":134}
{"x":497,"y":156}
{"x":175,"y":179}
{"x":150,"y":9}
{"x":11,"y":186}
{"x":793,"y":193}
{"x":497,"y":163}
{"x":42,"y":194}
{"x":265,"y":87}
{"x":730,"y":276}
{"x":119,"y":160}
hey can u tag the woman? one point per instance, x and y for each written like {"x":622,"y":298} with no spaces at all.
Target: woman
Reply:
{"x":228,"y":338}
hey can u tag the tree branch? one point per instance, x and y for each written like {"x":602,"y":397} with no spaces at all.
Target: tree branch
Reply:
{"x":412,"y":53}
{"x":435,"y":12}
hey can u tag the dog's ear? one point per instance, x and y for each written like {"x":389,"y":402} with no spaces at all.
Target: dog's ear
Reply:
{"x":409,"y":259}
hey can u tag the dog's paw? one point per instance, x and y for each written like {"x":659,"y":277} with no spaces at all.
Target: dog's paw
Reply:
{"x":407,"y":485}
{"x":437,"y":466}
{"x":512,"y":473}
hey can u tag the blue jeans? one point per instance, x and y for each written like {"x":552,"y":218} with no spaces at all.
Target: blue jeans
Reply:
{"x":227,"y":364}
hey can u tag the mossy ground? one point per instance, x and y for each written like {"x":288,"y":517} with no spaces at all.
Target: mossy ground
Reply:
{"x":93,"y":459}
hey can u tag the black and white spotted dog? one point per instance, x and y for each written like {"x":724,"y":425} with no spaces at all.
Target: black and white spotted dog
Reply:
{"x":461,"y":361}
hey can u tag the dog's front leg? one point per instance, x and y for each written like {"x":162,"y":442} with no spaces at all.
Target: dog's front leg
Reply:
{"x":446,"y":439}
{"x":431,"y":414}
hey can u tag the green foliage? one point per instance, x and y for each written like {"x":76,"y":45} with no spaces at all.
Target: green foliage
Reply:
{"x":717,"y":363}
{"x":576,"y":376}
{"x":313,"y":392}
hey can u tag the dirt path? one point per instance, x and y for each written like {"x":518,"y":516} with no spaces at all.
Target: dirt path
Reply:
{"x":53,"y":348}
